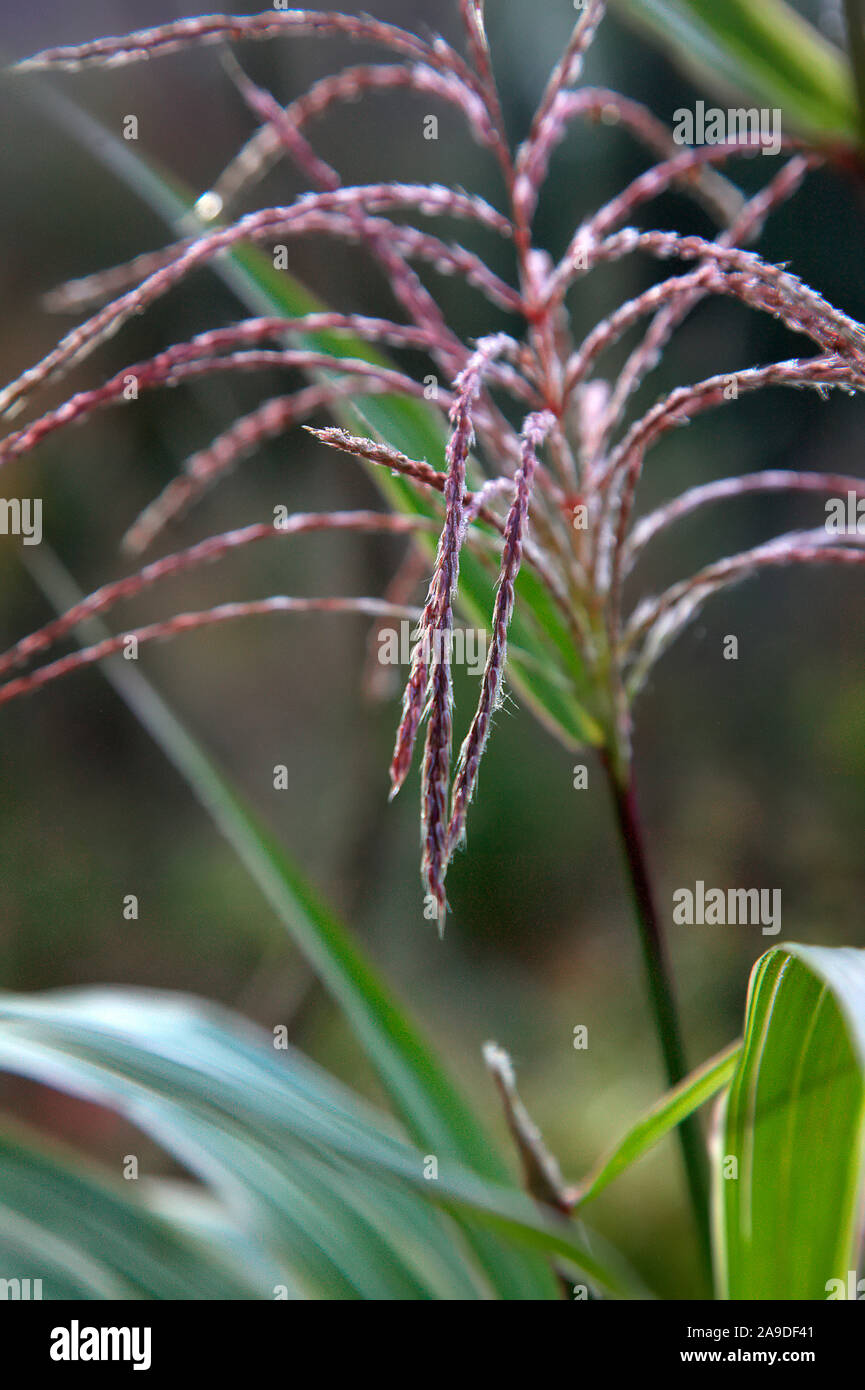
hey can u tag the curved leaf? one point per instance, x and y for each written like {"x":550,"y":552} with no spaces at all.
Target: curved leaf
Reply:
{"x":696,"y":1089}
{"x":764,"y":50}
{"x":85,"y":1237}
{"x":320,"y":1179}
{"x":790,"y":1152}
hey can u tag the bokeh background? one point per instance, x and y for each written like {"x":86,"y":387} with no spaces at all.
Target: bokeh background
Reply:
{"x":752,"y":772}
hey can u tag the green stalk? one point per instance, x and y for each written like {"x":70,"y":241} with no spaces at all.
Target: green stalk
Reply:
{"x":662,"y":993}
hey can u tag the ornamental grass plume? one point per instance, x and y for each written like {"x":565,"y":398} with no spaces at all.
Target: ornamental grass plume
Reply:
{"x":579,"y":505}
{"x":541,"y":469}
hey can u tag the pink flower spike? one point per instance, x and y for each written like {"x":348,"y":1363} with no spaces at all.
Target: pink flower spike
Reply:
{"x":721,"y":199}
{"x":185,"y":33}
{"x":723,"y":489}
{"x":472,"y":14}
{"x":242,"y":438}
{"x":744,"y":229}
{"x":657,"y":622}
{"x":204,"y":553}
{"x":535,"y":431}
{"x":192,"y":622}
{"x":268,"y":223}
{"x":267,"y":108}
{"x":262,"y":150}
{"x":437,"y":614}
{"x":569,"y":66}
{"x":202,"y":355}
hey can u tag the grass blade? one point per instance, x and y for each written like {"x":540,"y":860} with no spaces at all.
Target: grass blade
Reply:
{"x":790,"y":1160}
{"x":87,"y":1237}
{"x":266,"y":1131}
{"x":671,"y":1110}
{"x":766,"y":52}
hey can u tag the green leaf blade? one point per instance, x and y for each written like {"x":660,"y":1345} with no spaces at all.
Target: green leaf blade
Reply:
{"x":86,"y":1237}
{"x":789,"y":1221}
{"x":764,"y":50}
{"x":276,"y":1139}
{"x":671,"y":1110}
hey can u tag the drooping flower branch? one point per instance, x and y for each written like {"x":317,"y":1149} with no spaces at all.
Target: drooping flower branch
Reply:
{"x":191,"y":622}
{"x":535,"y":431}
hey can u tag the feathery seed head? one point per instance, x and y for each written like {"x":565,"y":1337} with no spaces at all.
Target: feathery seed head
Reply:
{"x":561,"y":524}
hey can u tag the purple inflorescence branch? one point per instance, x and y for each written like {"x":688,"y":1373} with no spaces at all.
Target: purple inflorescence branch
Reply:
{"x":556,"y":498}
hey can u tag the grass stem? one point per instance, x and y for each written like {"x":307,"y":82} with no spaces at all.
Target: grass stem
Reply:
{"x":661,"y":992}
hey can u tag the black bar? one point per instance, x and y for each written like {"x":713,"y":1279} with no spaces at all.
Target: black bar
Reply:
{"x":258,"y":1339}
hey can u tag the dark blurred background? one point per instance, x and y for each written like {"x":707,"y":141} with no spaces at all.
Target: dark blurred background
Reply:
{"x":752,"y":772}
